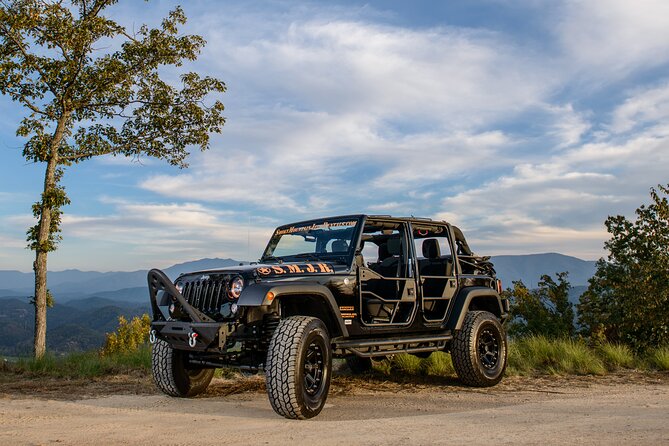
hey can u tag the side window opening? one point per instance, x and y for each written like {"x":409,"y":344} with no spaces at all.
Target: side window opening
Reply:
{"x":433,"y":250}
{"x":384,"y":249}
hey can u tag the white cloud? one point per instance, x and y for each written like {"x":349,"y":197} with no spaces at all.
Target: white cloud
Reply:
{"x":563,"y":201}
{"x":141,"y":235}
{"x":343,"y":106}
{"x":451,"y":76}
{"x":645,"y":107}
{"x":568,"y":125}
{"x":138,"y":233}
{"x":618,"y":36}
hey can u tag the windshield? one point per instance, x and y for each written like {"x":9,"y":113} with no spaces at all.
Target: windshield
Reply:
{"x":330,"y":240}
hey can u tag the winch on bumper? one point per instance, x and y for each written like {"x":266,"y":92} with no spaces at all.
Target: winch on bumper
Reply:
{"x":192,"y":336}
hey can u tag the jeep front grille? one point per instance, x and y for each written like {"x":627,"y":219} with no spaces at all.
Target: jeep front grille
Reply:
{"x":206,"y":295}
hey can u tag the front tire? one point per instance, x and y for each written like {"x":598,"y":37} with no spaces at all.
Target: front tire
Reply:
{"x":479,"y":350}
{"x":299,"y":362}
{"x":172,"y":375}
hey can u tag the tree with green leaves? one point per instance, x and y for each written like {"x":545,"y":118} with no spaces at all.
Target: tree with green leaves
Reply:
{"x":544,"y":311}
{"x":90,"y":87}
{"x":627,"y":299}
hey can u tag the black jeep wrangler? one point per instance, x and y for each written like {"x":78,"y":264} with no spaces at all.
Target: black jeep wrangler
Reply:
{"x":356,"y":287}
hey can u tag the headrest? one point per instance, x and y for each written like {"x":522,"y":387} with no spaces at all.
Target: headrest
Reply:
{"x":339,"y":246}
{"x":394,"y":246}
{"x":431,"y":248}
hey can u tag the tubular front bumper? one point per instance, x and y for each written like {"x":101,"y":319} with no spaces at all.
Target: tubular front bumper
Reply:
{"x":199,"y":334}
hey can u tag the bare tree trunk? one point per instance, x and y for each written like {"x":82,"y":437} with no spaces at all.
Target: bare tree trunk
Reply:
{"x":44,"y":232}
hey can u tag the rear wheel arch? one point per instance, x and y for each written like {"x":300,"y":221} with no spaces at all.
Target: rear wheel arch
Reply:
{"x":475,"y":299}
{"x":486,"y":303}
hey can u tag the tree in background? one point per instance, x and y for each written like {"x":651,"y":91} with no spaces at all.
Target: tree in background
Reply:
{"x":90,"y":87}
{"x":544,"y":311}
{"x":627,"y":300}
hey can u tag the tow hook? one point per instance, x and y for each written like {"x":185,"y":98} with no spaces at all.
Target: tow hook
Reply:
{"x":152,"y":336}
{"x":192,"y":339}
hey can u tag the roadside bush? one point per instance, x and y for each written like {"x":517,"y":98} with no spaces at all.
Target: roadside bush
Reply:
{"x":659,"y":358}
{"x":405,"y":363}
{"x":538,"y":354}
{"x":438,"y":364}
{"x":128,"y":337}
{"x":617,"y":356}
{"x":544,"y":311}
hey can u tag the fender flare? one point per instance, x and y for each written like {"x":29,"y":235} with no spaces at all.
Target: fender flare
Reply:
{"x":464,"y":298}
{"x":255,"y":295}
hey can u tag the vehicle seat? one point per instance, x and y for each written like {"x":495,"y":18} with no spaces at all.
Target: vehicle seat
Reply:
{"x":434,"y":264}
{"x":339,"y":246}
{"x":389,"y":262}
{"x":431,"y":265}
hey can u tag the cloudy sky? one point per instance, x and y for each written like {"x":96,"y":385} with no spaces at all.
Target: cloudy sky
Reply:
{"x":525,"y":123}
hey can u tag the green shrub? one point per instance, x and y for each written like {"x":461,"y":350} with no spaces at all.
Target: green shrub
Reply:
{"x":383,"y":367}
{"x":226,"y":373}
{"x":617,"y":356}
{"x":407,"y":364}
{"x":659,"y":358}
{"x":129,"y":336}
{"x":438,"y":364}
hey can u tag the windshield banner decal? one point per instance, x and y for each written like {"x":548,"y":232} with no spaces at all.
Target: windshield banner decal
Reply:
{"x":306,"y":268}
{"x":324,"y":225}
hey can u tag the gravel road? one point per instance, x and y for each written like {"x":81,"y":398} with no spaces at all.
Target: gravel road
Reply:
{"x":607,"y":410}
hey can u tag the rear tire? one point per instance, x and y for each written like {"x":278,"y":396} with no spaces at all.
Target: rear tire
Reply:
{"x":171,"y":374}
{"x":298,"y":366}
{"x":479,"y":350}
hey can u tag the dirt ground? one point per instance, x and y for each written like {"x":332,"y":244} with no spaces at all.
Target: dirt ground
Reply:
{"x":625,"y":408}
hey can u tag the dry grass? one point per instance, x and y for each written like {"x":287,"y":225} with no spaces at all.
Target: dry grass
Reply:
{"x":539,"y":355}
{"x":659,"y":358}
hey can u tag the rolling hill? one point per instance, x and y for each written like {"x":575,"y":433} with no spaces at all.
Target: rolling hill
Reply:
{"x":530,"y":267}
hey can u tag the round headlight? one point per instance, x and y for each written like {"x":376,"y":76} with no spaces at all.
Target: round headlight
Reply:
{"x":236,"y":287}
{"x":179,"y":286}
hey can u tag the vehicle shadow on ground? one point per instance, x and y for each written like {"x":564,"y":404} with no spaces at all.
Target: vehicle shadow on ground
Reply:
{"x":343,"y":383}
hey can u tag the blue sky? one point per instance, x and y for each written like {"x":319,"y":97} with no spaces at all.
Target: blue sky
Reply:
{"x":525,"y":123}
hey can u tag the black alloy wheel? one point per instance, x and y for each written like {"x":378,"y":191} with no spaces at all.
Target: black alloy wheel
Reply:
{"x":313,"y":369}
{"x":488,"y":348}
{"x":479,"y":349}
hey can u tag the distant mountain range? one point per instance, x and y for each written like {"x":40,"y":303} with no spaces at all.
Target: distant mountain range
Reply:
{"x":530,"y":267}
{"x":72,"y":283}
{"x":88,"y":303}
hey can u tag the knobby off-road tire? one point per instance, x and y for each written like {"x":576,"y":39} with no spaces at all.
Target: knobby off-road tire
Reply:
{"x":359,"y":365}
{"x":172,"y":376}
{"x":479,"y":350}
{"x":298,"y":366}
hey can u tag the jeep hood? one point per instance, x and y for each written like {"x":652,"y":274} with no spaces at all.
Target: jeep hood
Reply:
{"x":276,"y":269}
